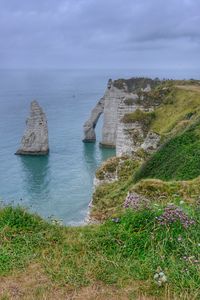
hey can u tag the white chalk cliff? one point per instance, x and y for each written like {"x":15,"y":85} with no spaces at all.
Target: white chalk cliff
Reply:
{"x":35,"y":138}
{"x":122,"y":97}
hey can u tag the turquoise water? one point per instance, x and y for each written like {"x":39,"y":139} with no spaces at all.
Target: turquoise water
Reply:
{"x":60,"y":184}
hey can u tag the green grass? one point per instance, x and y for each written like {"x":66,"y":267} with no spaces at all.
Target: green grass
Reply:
{"x":108,"y":197}
{"x":162,"y":192}
{"x":111,"y":253}
{"x":180,"y":107}
{"x":135,"y":83}
{"x":139,"y":116}
{"x":178,"y":159}
{"x":121,"y":166}
{"x":22,"y":236}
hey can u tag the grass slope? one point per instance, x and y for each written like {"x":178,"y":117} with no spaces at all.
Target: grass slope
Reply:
{"x":163,"y":192}
{"x":123,"y":254}
{"x":179,"y":108}
{"x":178,"y":159}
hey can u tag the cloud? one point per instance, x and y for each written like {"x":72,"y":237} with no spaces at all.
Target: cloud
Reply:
{"x":62,"y":33}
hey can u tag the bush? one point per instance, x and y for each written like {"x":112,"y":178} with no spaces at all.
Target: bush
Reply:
{"x":145,"y":118}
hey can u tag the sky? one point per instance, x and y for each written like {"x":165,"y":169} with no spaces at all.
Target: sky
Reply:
{"x":100,"y":34}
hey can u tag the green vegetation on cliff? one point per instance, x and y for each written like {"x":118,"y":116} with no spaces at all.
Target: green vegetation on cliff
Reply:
{"x":177,"y":121}
{"x":108,"y":198}
{"x":177,"y":159}
{"x":139,"y":116}
{"x":126,"y":253}
{"x":179,"y":109}
{"x":136,"y":83}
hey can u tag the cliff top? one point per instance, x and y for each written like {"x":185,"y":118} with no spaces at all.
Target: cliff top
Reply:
{"x":136,"y":84}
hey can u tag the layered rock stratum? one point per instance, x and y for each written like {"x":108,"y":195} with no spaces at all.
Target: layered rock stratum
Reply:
{"x":35,"y":138}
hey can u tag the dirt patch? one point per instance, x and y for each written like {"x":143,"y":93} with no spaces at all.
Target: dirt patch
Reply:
{"x":192,"y":88}
{"x":33,"y":284}
{"x":30,"y":284}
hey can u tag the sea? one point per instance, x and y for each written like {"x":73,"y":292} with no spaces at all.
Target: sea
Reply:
{"x":58,"y":186}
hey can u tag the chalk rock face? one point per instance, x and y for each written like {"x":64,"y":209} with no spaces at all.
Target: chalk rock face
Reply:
{"x":122,"y":96}
{"x":151,"y":142}
{"x":108,"y":105}
{"x":90,"y":124}
{"x":127,"y":133}
{"x":112,"y":98}
{"x":35,"y":138}
{"x":147,"y":88}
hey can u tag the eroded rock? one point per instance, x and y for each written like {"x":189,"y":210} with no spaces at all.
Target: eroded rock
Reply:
{"x":151,"y":142}
{"x":123,"y":96}
{"x":35,"y":138}
{"x":90,"y":124}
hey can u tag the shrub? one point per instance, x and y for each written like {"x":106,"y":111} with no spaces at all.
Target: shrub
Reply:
{"x":129,"y":101}
{"x":145,"y":118}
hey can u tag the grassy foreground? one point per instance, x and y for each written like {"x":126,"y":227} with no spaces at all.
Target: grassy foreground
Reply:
{"x":123,"y":253}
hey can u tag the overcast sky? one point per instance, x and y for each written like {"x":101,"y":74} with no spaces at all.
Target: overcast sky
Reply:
{"x":100,"y":33}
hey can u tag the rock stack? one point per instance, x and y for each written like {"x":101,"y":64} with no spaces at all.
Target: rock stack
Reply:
{"x":35,"y":138}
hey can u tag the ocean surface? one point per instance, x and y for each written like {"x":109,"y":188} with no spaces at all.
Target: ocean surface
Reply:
{"x":59,"y":185}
